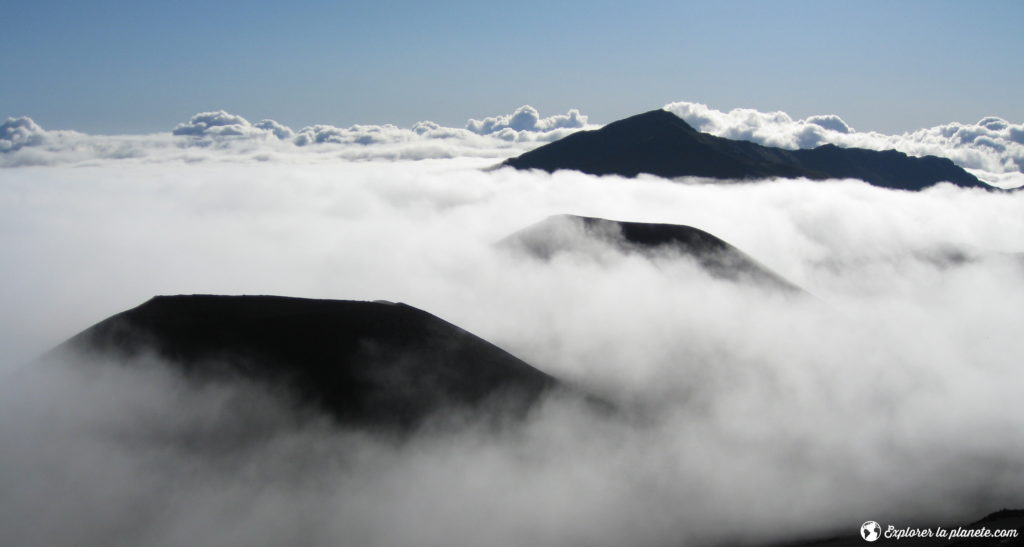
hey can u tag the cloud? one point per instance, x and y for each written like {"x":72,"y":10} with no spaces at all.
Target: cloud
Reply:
{"x":357,"y":134}
{"x":280,"y":131}
{"x":890,"y":393}
{"x":526,"y":119}
{"x":992,"y":148}
{"x":522,"y":126}
{"x":222,"y":136}
{"x":219,"y":123}
{"x":223,"y":124}
{"x":16,"y":133}
{"x":830,"y":122}
{"x":23,"y":142}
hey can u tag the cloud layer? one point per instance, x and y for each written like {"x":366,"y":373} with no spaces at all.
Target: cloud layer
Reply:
{"x":992,"y":148}
{"x":890,"y":394}
{"x":222,"y":136}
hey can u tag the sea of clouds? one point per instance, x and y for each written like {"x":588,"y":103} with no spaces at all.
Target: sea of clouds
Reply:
{"x":891,"y":392}
{"x":992,"y":149}
{"x":221,"y":136}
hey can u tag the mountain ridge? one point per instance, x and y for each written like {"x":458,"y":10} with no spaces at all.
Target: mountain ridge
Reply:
{"x":662,"y":144}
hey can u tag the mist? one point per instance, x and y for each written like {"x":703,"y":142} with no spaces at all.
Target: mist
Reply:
{"x":889,"y":391}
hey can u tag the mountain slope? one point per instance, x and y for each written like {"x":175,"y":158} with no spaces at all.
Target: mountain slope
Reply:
{"x":366,"y":363}
{"x":660,"y":143}
{"x":561,"y":233}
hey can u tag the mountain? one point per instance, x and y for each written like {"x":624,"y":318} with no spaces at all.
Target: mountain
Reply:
{"x":373,"y":364}
{"x":560,"y":233}
{"x":660,"y":143}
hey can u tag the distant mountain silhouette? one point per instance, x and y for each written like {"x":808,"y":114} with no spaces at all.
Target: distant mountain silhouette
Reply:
{"x":660,"y":143}
{"x":366,"y":363}
{"x":562,"y":233}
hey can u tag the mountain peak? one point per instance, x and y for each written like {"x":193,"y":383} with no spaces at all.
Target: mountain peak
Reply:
{"x":662,"y":144}
{"x":374,"y":364}
{"x":719,"y":259}
{"x":653,"y":118}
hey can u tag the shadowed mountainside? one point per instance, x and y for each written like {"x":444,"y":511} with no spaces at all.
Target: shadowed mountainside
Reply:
{"x":370,"y":364}
{"x":660,"y":143}
{"x":562,"y":233}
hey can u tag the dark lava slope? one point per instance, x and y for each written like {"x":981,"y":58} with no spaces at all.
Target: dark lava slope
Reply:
{"x":660,"y":143}
{"x":561,"y":233}
{"x":366,"y":363}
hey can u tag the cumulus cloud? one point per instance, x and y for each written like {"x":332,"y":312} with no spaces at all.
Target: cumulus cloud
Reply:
{"x":830,"y":122}
{"x":16,"y":133}
{"x":525,"y":125}
{"x":23,"y":142}
{"x":526,"y":118}
{"x":223,"y":124}
{"x":223,"y":136}
{"x":892,"y":392}
{"x":992,"y":148}
{"x":219,"y":123}
{"x":278,"y":130}
{"x":357,"y":134}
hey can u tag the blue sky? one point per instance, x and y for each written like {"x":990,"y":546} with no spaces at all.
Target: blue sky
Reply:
{"x":141,"y":66}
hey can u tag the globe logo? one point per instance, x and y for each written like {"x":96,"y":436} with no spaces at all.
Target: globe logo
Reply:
{"x":870,"y":531}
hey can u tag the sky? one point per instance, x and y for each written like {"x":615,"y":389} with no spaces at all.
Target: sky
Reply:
{"x":141,"y":66}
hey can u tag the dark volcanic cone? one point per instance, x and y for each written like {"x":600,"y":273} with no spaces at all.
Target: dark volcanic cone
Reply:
{"x":561,"y":233}
{"x":366,"y":363}
{"x":660,"y":143}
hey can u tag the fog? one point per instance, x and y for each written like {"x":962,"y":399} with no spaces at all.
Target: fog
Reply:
{"x":889,"y":392}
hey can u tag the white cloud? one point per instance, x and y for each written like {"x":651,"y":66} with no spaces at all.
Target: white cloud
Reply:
{"x":357,"y":134}
{"x":522,"y":126}
{"x":223,"y":124}
{"x":16,"y":133}
{"x":280,"y":131}
{"x":830,"y":122}
{"x":222,"y":136}
{"x":527,"y":119}
{"x":219,"y":123}
{"x":992,"y":148}
{"x":891,"y":392}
